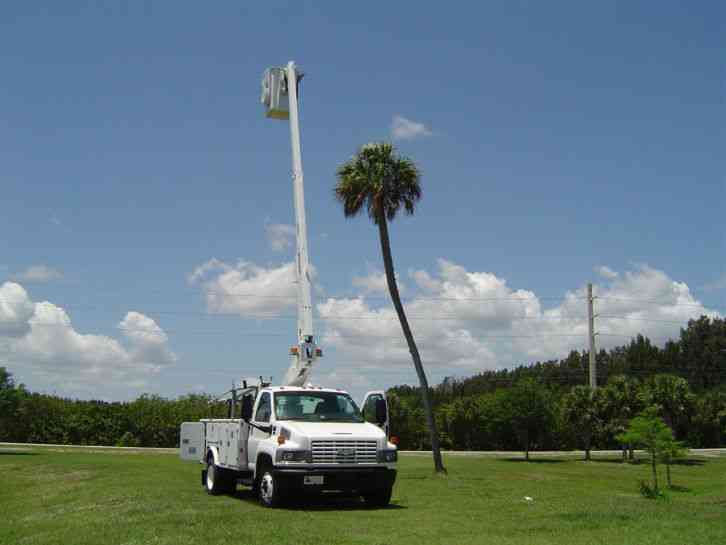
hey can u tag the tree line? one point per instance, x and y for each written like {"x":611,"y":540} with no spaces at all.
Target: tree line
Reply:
{"x":148,"y":421}
{"x":540,"y":406}
{"x":548,"y":406}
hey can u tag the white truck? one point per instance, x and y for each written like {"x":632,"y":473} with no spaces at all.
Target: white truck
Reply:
{"x":287,"y":439}
{"x":293,"y":440}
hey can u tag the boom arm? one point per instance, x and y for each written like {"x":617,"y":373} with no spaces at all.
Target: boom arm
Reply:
{"x":306,"y":351}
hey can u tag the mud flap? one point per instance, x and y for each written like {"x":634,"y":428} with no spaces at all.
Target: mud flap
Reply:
{"x":204,"y":477}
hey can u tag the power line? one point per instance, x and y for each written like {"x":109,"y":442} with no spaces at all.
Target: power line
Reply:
{"x":325,"y":335}
{"x":651,"y":301}
{"x":534,"y":298}
{"x":275,"y":316}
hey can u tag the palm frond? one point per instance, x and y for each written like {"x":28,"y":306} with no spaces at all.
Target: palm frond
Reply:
{"x":379,"y":180}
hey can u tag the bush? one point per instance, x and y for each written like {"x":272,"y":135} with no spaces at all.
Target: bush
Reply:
{"x":128,"y":439}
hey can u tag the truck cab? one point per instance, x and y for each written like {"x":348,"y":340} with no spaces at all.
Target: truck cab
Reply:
{"x":291,"y":440}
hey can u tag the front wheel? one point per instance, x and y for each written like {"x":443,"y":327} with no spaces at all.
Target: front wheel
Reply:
{"x":378,"y":498}
{"x":270,"y":493}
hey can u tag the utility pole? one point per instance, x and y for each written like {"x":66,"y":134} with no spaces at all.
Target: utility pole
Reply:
{"x":591,"y":336}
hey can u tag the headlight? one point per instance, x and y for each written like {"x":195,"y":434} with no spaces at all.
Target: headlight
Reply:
{"x":292,"y":455}
{"x":388,"y":456}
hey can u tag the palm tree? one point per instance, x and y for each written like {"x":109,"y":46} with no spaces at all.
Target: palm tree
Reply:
{"x":382,"y":182}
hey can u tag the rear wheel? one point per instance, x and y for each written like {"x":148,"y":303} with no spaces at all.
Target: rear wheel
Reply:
{"x":378,"y":498}
{"x":217,"y":480}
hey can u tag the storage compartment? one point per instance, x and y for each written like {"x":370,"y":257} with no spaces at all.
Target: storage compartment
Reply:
{"x":191,"y":441}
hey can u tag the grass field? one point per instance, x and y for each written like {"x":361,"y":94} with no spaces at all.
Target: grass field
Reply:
{"x":121,"y":497}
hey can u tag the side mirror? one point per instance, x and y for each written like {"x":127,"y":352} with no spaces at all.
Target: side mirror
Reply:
{"x":247,"y":404}
{"x":381,"y":412}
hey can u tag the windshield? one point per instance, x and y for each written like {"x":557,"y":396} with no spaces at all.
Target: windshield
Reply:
{"x":316,"y":407}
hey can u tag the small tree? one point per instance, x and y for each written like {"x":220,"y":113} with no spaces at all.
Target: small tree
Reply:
{"x":528,"y":408}
{"x":11,"y":397}
{"x":619,"y":403}
{"x":670,"y":451}
{"x":580,"y":413}
{"x":648,"y":431}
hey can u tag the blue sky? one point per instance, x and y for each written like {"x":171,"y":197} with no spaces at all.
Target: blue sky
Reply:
{"x":554,"y":139}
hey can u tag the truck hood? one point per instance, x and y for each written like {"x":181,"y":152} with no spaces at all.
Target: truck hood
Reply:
{"x":334,"y":430}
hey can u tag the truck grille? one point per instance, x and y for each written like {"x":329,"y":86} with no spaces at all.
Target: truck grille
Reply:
{"x":344,"y":452}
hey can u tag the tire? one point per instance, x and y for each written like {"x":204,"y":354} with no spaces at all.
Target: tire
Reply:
{"x":269,"y":490}
{"x":217,"y":481}
{"x":378,"y":498}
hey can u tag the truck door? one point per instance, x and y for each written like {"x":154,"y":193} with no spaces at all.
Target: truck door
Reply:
{"x":261,"y":417}
{"x":370,"y":401}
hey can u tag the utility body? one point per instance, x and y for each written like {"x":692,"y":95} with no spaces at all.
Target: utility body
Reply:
{"x":282,"y":440}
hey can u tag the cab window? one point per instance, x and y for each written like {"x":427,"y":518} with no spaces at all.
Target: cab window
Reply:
{"x":264,"y":408}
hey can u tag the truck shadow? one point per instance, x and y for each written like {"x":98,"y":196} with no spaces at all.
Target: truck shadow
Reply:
{"x":313,"y":502}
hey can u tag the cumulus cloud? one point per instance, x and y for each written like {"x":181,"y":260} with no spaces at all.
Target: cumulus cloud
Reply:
{"x":39,"y":340}
{"x":468,"y":321}
{"x":280,"y":236}
{"x":38,"y":274}
{"x":245,"y":288}
{"x":16,"y":309}
{"x":464,"y":321}
{"x":406,"y":129}
{"x":606,"y":272}
{"x":375,"y":283}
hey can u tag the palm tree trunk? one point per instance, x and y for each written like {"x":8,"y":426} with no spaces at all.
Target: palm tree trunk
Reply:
{"x":412,"y":348}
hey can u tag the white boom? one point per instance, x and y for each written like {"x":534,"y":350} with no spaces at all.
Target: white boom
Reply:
{"x":306,"y":351}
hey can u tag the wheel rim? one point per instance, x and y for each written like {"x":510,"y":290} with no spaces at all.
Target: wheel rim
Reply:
{"x":210,"y":477}
{"x":267,"y":488}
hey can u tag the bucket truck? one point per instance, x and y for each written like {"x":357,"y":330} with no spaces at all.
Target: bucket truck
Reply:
{"x":293,"y":438}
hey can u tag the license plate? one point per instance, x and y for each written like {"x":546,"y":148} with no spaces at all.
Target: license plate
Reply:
{"x":313,"y":479}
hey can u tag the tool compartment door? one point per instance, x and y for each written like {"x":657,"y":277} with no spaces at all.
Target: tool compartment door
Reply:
{"x":235,"y":445}
{"x":191,"y":441}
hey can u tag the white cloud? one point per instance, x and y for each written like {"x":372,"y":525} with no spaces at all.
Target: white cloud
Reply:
{"x":463,"y":321}
{"x":606,"y":272}
{"x":246,"y":289}
{"x":39,"y":274}
{"x":466,"y":321}
{"x":16,"y":309}
{"x":375,"y":283}
{"x":280,"y":236}
{"x":202,"y":270}
{"x":406,"y":129}
{"x":42,"y":342}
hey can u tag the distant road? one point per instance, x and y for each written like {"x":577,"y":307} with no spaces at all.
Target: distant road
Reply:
{"x":708,"y":452}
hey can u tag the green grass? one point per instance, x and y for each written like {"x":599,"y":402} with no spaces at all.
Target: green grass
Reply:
{"x":79,"y":497}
